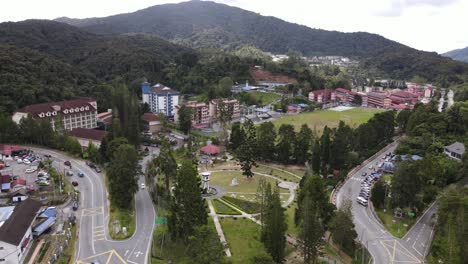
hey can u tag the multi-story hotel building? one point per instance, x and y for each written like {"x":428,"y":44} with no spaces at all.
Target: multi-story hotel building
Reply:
{"x":66,"y":115}
{"x":200,"y":113}
{"x":160,"y":98}
{"x":233,"y":107}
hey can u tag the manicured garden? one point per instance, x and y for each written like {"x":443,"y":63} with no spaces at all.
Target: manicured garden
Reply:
{"x":222,"y":208}
{"x":317,"y":120}
{"x":246,"y":206}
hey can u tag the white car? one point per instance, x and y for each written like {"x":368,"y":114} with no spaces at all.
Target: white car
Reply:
{"x":26,"y":161}
{"x":143,"y":186}
{"x":371,"y":167}
{"x":31,"y":170}
{"x":19,"y":161}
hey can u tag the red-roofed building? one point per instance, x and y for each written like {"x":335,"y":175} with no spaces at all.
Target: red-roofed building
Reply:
{"x":210,"y":149}
{"x":152,"y":123}
{"x":86,"y":136}
{"x":68,"y":115}
{"x":200,"y":114}
{"x":379,"y":100}
{"x":402,"y":97}
{"x":347,"y":96}
{"x":6,"y":151}
{"x":323,"y":96}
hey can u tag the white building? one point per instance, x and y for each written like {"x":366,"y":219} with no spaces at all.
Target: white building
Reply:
{"x":68,"y":115}
{"x":16,"y":234}
{"x":161,"y":99}
{"x":455,"y":151}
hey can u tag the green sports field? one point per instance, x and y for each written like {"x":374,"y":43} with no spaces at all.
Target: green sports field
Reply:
{"x":317,"y":120}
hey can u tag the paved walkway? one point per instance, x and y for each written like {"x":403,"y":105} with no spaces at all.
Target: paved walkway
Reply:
{"x":36,"y":251}
{"x":219,"y":230}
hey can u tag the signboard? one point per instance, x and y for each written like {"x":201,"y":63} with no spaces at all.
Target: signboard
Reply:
{"x":160,"y":220}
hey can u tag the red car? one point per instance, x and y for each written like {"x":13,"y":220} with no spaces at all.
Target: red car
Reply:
{"x":74,"y":183}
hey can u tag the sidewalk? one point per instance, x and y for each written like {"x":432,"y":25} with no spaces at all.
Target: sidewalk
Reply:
{"x":36,"y":251}
{"x":219,"y":229}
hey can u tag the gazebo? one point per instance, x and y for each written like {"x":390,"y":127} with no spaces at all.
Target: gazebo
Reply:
{"x":210,"y":149}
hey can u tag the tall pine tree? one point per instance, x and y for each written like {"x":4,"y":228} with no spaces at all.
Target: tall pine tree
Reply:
{"x":274,"y":228}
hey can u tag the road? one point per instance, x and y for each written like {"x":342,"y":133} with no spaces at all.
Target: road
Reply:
{"x":94,"y":243}
{"x":383,"y":247}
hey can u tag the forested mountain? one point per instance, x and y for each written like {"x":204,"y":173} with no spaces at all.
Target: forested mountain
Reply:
{"x":458,"y":54}
{"x":202,"y":24}
{"x":47,"y":60}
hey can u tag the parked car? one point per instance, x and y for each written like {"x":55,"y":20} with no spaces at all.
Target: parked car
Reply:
{"x":371,"y":167}
{"x":26,"y":161}
{"x":31,"y":170}
{"x":143,"y":186}
{"x":74,"y":183}
{"x":97,"y":169}
{"x":7,"y":164}
{"x":19,"y":161}
{"x":69,"y":173}
{"x":364,"y":174}
{"x":44,"y":183}
{"x":68,"y":163}
{"x":90,"y":164}
{"x":75,"y":206}
{"x":81,"y":174}
{"x":48,"y":156}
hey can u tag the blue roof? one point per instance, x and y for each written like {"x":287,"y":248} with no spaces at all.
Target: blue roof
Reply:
{"x":416,"y":157}
{"x":6,"y":186}
{"x":44,"y":225}
{"x":49,"y":212}
{"x":5,"y":212}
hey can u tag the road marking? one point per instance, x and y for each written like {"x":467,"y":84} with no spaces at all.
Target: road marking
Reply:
{"x":111,"y":254}
{"x":126,"y":252}
{"x":92,"y":211}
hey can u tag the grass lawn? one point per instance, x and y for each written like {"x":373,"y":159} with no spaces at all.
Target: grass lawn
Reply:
{"x":293,"y":230}
{"x":244,"y":185}
{"x":284,"y":195}
{"x":278,"y":173}
{"x":317,"y":120}
{"x":265,"y":97}
{"x":243,"y":238}
{"x":396,"y":226}
{"x":222,"y":208}
{"x":126,"y":217}
{"x":172,"y":252}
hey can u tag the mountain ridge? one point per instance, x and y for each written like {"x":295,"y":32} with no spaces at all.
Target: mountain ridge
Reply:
{"x":458,"y":54}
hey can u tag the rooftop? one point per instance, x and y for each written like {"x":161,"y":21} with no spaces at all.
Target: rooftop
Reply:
{"x":456,"y":147}
{"x":8,"y":149}
{"x":162,"y":89}
{"x":14,"y":228}
{"x":150,"y":117}
{"x":64,"y":107}
{"x":85,"y":133}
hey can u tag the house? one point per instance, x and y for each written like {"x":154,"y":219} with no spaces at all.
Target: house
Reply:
{"x":18,"y":196}
{"x":200,"y":114}
{"x":5,"y":181}
{"x":160,"y":98}
{"x":16,"y":233}
{"x":86,"y":136}
{"x":232,"y":106}
{"x":64,"y":115}
{"x":455,"y":151}
{"x":7,"y":151}
{"x":151,"y":123}
{"x":17,"y":184}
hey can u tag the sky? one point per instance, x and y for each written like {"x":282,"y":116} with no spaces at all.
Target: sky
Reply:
{"x":429,"y":25}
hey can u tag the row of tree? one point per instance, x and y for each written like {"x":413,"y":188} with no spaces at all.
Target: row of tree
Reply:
{"x":336,"y":149}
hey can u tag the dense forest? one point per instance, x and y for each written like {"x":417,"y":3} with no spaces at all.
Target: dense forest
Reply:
{"x":202,"y":24}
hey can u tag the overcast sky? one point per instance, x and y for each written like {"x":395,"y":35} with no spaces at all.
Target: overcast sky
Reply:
{"x":430,"y":25}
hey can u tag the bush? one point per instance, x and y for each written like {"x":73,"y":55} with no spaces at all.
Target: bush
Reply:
{"x":246,"y":206}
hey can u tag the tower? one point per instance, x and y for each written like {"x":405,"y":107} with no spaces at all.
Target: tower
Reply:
{"x":206,"y":181}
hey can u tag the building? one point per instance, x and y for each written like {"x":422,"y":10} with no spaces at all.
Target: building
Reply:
{"x":151,"y":123}
{"x":16,"y":234}
{"x":160,"y":98}
{"x":323,"y":96}
{"x":455,"y":151}
{"x":348,"y":97}
{"x":86,"y":136}
{"x":18,"y":196}
{"x":402,"y":97}
{"x":233,"y":107}
{"x":7,"y":151}
{"x":66,"y":115}
{"x":104,"y":120}
{"x":379,"y":100}
{"x":200,"y":114}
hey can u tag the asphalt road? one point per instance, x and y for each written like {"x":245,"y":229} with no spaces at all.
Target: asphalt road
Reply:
{"x":383,"y":247}
{"x":94,"y":243}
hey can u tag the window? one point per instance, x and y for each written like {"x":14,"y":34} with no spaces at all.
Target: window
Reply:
{"x":41,"y":115}
{"x":48,"y":114}
{"x":71,"y":110}
{"x":87,"y":108}
{"x":77,"y":109}
{"x":65,"y":111}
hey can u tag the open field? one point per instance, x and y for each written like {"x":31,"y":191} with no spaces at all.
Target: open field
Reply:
{"x":265,"y":97}
{"x":244,"y":185}
{"x":317,"y":120}
{"x":243,"y":238}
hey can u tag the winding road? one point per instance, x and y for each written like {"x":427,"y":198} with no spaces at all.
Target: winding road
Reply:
{"x":94,"y":243}
{"x":384,"y":247}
